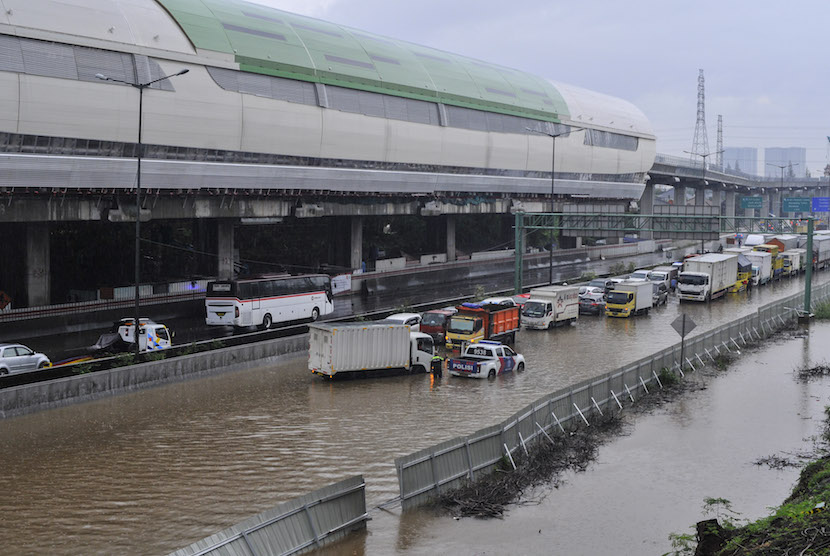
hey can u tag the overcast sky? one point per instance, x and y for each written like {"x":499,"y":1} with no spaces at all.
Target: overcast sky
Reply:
{"x":762,"y":59}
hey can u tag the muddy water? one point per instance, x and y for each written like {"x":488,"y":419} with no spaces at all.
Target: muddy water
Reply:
{"x":652,"y":482}
{"x":153,"y":471}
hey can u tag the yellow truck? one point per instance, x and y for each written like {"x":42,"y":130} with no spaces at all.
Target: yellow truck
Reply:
{"x":629,"y":298}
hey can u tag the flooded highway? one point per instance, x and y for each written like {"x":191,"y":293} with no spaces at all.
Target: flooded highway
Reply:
{"x":153,"y":471}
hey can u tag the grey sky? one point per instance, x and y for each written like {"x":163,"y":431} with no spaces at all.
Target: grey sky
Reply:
{"x":760,"y":58}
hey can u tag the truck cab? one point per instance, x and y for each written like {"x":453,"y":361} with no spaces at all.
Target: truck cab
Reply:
{"x":629,"y":298}
{"x":693,"y":285}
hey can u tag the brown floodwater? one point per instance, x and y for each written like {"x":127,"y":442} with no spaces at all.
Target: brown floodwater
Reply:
{"x":152,"y":471}
{"x":652,"y":481}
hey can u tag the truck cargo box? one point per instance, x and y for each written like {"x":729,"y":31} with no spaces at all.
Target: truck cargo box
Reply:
{"x":357,"y":346}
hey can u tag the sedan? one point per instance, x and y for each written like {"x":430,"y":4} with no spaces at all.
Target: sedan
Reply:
{"x":17,"y":358}
{"x":591,"y":304}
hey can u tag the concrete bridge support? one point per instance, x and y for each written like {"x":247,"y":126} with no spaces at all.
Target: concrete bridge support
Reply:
{"x":766,"y":207}
{"x":37,"y":264}
{"x":224,"y":245}
{"x":647,"y":207}
{"x":451,"y":251}
{"x":700,"y":196}
{"x":356,"y":239}
{"x":680,"y":195}
{"x":729,"y":207}
{"x":775,"y":203}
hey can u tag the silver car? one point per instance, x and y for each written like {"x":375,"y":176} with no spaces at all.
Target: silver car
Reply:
{"x":17,"y":358}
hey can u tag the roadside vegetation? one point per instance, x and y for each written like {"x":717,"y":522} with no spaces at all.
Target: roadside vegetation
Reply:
{"x":800,"y":525}
{"x":823,"y":311}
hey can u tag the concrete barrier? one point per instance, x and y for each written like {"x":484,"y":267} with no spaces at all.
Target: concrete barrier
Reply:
{"x":30,"y":398}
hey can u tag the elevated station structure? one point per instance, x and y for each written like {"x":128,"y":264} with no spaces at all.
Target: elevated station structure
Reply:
{"x":280,"y":117}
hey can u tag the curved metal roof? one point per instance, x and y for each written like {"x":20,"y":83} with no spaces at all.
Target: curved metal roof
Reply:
{"x":270,"y":41}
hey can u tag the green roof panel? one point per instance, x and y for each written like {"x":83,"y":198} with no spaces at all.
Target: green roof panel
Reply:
{"x":273,"y":42}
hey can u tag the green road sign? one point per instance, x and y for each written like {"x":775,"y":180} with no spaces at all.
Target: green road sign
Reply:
{"x":752,"y":202}
{"x":796,"y":204}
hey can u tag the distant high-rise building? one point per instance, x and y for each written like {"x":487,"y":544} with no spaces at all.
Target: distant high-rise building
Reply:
{"x":743,"y":159}
{"x":785,"y":156}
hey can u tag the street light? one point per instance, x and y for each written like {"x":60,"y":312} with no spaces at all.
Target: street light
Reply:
{"x":553,"y":137}
{"x":139,"y":152}
{"x":781,"y":166}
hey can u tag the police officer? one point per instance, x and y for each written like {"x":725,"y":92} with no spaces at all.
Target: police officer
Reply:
{"x":437,"y":366}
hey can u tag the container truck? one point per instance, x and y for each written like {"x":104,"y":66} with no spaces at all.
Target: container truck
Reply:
{"x":784,"y":242}
{"x":761,"y":267}
{"x":777,"y":260}
{"x":551,"y":306}
{"x":821,"y":250}
{"x":744,"y":275}
{"x":474,"y":322}
{"x":707,"y":276}
{"x":792,"y":262}
{"x":355,"y":348}
{"x":802,"y":265}
{"x":628,"y":298}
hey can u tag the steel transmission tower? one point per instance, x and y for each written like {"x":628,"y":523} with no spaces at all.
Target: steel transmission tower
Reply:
{"x":719,"y":147}
{"x":700,"y":146}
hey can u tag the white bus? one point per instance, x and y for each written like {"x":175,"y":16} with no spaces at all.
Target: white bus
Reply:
{"x":264,"y":301}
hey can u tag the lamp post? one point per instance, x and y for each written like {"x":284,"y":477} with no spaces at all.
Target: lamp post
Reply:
{"x":139,"y":152}
{"x":781,"y":166}
{"x":553,"y":137}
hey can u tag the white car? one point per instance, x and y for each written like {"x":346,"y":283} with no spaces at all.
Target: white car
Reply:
{"x":486,"y":359}
{"x":412,"y":319}
{"x":17,"y":358}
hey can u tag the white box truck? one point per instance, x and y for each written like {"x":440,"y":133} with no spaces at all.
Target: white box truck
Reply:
{"x":367,"y":348}
{"x":629,"y":297}
{"x":707,"y":276}
{"x":761,"y":267}
{"x":792,"y":262}
{"x":551,"y":306}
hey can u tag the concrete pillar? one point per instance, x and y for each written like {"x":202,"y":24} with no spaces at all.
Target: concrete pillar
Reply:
{"x":451,"y":253}
{"x":224,"y":248}
{"x":37,"y":264}
{"x":775,"y":203}
{"x":700,"y":196}
{"x":680,"y":195}
{"x":765,"y":207}
{"x":647,"y":207}
{"x":729,"y":209}
{"x":356,"y":258}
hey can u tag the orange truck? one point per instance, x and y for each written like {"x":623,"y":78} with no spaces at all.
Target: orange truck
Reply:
{"x":476,"y":321}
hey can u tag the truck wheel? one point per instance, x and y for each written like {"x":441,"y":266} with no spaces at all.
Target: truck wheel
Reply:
{"x":520,"y":368}
{"x":492,"y":373}
{"x":315,"y":314}
{"x":266,"y":322}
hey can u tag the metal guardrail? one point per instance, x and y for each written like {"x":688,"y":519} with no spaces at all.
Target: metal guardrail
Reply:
{"x":428,"y":472}
{"x":313,"y":519}
{"x":80,"y":307}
